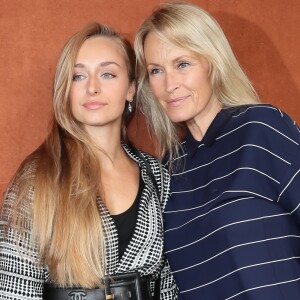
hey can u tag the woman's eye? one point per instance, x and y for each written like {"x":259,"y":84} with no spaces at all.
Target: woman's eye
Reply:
{"x":154,"y":71}
{"x":107,"y":75}
{"x":183,"y":65}
{"x":78,"y":77}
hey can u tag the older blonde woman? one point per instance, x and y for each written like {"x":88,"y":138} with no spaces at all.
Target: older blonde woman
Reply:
{"x":232,"y":221}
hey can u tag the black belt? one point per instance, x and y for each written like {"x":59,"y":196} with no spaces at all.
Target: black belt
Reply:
{"x":127,"y":286}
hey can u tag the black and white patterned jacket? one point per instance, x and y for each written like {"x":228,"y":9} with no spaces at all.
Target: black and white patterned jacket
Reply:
{"x":21,"y":277}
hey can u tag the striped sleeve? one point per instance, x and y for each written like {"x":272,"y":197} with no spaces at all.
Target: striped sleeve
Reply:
{"x":289,"y":195}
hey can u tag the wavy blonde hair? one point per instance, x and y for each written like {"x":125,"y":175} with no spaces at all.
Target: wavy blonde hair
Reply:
{"x":190,"y":27}
{"x":64,"y":176}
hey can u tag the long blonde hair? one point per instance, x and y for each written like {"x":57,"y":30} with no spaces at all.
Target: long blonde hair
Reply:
{"x":190,"y":27}
{"x":64,"y":176}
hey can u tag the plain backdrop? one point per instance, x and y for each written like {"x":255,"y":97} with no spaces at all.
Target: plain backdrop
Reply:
{"x":263,"y":33}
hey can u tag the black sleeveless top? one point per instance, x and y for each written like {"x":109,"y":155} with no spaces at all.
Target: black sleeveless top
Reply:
{"x":125,"y":221}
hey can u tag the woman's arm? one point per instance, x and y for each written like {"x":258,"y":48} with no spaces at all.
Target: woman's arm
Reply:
{"x":21,"y":275}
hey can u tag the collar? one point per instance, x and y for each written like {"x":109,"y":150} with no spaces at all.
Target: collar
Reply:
{"x":213,"y":131}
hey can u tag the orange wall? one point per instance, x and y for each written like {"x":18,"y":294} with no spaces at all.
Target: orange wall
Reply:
{"x":264,"y":34}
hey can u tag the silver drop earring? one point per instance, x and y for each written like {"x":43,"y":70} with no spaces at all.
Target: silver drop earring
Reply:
{"x":129,"y":107}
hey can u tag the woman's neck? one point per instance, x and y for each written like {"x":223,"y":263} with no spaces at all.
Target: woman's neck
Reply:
{"x":200,"y":123}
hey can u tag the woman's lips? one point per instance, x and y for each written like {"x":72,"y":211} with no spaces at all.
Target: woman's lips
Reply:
{"x":93,"y":105}
{"x":176,"y":101}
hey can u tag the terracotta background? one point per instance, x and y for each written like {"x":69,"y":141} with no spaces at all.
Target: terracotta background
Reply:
{"x":264,"y":35}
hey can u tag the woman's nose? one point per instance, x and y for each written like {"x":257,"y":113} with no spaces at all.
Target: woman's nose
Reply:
{"x":171,"y":82}
{"x":93,"y":87}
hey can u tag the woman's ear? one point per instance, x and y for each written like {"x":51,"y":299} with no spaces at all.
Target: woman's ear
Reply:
{"x":131,"y":91}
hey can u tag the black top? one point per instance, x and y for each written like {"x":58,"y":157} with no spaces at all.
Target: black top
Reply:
{"x":125,"y":222}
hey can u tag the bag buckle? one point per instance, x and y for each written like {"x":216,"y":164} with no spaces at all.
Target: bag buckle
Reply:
{"x":125,"y":279}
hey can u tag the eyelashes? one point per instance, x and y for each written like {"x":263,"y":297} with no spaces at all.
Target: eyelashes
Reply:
{"x":183,"y":65}
{"x":180,"y":65}
{"x":106,"y":75}
{"x":78,"y":77}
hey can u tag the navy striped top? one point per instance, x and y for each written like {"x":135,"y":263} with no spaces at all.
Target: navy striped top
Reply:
{"x":232,"y":223}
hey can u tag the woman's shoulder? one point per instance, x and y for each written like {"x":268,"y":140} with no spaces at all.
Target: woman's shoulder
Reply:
{"x":264,"y":114}
{"x":150,"y":157}
{"x":252,"y":110}
{"x":141,"y":155}
{"x":22,"y":179}
{"x":26,"y":171}
{"x":258,"y":111}
{"x":265,"y":120}
{"x":20,"y":187}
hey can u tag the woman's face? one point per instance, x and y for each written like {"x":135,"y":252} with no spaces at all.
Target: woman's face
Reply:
{"x":180,"y":82}
{"x":100,"y":84}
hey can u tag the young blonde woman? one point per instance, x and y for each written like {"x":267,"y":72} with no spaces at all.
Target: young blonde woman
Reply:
{"x":232,"y":223}
{"x":82,"y":217}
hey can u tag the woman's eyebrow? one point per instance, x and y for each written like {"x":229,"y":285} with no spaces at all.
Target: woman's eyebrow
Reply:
{"x":102,"y":64}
